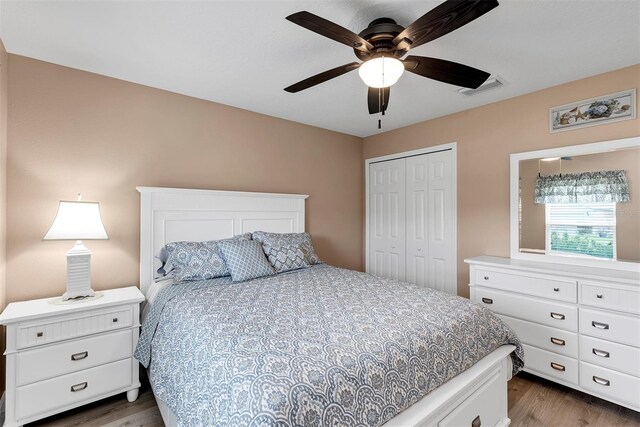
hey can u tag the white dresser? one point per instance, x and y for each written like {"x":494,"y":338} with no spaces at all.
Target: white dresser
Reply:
{"x":60,"y":356}
{"x":580,"y":326}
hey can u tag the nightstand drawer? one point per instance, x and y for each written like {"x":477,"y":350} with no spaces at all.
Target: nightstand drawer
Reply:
{"x":60,"y":393}
{"x":610,"y":297}
{"x":530,"y":284}
{"x":61,"y":328}
{"x":72,"y":356}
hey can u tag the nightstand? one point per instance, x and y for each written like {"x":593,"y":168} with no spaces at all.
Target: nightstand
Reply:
{"x":60,"y":356}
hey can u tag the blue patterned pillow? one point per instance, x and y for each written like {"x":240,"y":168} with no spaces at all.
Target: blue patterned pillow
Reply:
{"x":197,"y":260}
{"x":277,"y":240}
{"x":245,"y":260}
{"x":287,"y":257}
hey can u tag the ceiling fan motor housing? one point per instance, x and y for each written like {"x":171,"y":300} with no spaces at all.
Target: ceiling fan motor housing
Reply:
{"x":380,"y":33}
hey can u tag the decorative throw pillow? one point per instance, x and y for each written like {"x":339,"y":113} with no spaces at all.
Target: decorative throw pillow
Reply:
{"x":277,"y":240}
{"x":287,"y":257}
{"x":245,"y":259}
{"x":197,"y":260}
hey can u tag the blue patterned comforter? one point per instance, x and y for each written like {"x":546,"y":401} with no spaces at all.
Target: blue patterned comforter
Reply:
{"x":322,"y":346}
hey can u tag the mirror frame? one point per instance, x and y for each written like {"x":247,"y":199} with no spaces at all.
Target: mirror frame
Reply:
{"x":572,"y":150}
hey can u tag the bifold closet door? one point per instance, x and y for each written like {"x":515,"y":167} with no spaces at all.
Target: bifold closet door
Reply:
{"x":387,"y":219}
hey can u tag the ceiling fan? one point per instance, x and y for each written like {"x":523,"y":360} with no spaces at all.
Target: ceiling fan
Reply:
{"x":383,"y":43}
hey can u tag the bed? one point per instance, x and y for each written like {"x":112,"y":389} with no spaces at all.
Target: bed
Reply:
{"x":317,"y":346}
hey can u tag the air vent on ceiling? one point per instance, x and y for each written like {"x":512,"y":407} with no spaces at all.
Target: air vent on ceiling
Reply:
{"x":492,"y":83}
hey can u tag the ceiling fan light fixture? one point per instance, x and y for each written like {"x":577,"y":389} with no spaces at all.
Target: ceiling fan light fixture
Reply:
{"x":380,"y":72}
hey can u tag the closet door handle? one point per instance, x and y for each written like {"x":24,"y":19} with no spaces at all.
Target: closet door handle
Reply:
{"x":557,"y":316}
{"x":601,"y":381}
{"x":558,"y":367}
{"x":557,"y":341}
{"x":600,"y":353}
{"x":487,"y":300}
{"x":599,"y":325}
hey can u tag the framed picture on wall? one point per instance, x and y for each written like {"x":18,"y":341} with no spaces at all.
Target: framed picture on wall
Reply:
{"x":594,"y":111}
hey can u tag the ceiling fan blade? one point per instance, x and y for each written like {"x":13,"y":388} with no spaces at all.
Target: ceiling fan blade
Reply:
{"x":329,"y":29}
{"x":446,"y":71}
{"x":443,"y":19}
{"x":322,"y":77}
{"x":376,"y":98}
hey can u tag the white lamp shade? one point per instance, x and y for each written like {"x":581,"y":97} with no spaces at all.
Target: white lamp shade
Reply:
{"x":381,"y":72}
{"x":77,"y":221}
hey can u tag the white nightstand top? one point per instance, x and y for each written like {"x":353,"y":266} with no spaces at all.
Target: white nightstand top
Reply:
{"x":39,"y":308}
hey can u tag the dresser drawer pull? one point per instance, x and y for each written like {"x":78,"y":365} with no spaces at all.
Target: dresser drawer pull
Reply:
{"x":599,"y":325}
{"x":600,"y":353}
{"x":115,"y":320}
{"x":599,"y":296}
{"x":79,"y":387}
{"x":487,"y":300}
{"x":557,"y":366}
{"x":557,"y":341}
{"x":486,"y":277}
{"x":80,"y":356}
{"x":39,"y":334}
{"x":557,"y":316}
{"x":477,"y":422}
{"x":601,"y":381}
{"x":556,"y":289}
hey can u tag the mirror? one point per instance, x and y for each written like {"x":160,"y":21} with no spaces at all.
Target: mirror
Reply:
{"x":578,"y":204}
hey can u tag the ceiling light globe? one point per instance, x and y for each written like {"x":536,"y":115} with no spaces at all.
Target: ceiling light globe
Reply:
{"x":381,"y":72}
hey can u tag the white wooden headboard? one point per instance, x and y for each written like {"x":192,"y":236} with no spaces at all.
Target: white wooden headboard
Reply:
{"x":176,"y":214}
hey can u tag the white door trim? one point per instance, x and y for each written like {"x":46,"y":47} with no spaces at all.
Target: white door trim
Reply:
{"x":453,"y":146}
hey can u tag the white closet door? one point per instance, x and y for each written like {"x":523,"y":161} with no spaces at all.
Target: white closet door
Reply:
{"x":417,"y":188}
{"x":387,"y":219}
{"x":441,"y":263}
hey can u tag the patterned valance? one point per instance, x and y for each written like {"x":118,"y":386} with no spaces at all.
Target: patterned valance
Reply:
{"x":586,"y":187}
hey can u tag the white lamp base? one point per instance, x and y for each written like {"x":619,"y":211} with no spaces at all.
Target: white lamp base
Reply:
{"x":78,"y":272}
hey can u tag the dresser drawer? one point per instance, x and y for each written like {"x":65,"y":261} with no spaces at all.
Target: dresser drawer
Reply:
{"x":531,"y":284}
{"x":58,"y":393}
{"x":545,"y":337}
{"x":614,"y":298}
{"x":72,"y":356}
{"x":39,"y":332}
{"x":621,"y":387}
{"x":620,"y":328}
{"x":545,"y":312}
{"x":551,"y":364}
{"x":610,"y":355}
{"x":483,"y":406}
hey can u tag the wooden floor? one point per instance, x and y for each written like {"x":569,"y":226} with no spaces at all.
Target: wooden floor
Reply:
{"x":532,"y":402}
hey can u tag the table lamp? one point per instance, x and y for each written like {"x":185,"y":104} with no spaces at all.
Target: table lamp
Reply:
{"x":77,"y":221}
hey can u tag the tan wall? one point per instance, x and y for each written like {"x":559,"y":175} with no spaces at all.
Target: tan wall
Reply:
{"x":486,"y":136}
{"x":627,"y":214}
{"x":73,"y":131}
{"x":4,"y":59}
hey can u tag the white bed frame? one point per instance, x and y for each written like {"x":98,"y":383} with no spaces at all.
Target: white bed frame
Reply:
{"x":169,"y":214}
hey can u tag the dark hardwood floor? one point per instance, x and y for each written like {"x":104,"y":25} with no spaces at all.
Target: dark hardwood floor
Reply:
{"x":533,"y":402}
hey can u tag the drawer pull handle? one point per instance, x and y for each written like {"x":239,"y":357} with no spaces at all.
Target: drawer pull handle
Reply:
{"x":79,"y":387}
{"x":39,"y":334}
{"x":115,"y":320}
{"x":486,"y":277}
{"x":599,"y":325}
{"x":477,"y":422}
{"x":487,"y":300}
{"x":601,"y":381}
{"x":556,"y":289}
{"x":600,"y":353}
{"x":80,"y":356}
{"x":557,"y":316}
{"x":599,"y":296}
{"x":558,"y":367}
{"x":557,"y":341}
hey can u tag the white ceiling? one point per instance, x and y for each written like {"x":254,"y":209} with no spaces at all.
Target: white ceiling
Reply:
{"x":243,"y":53}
